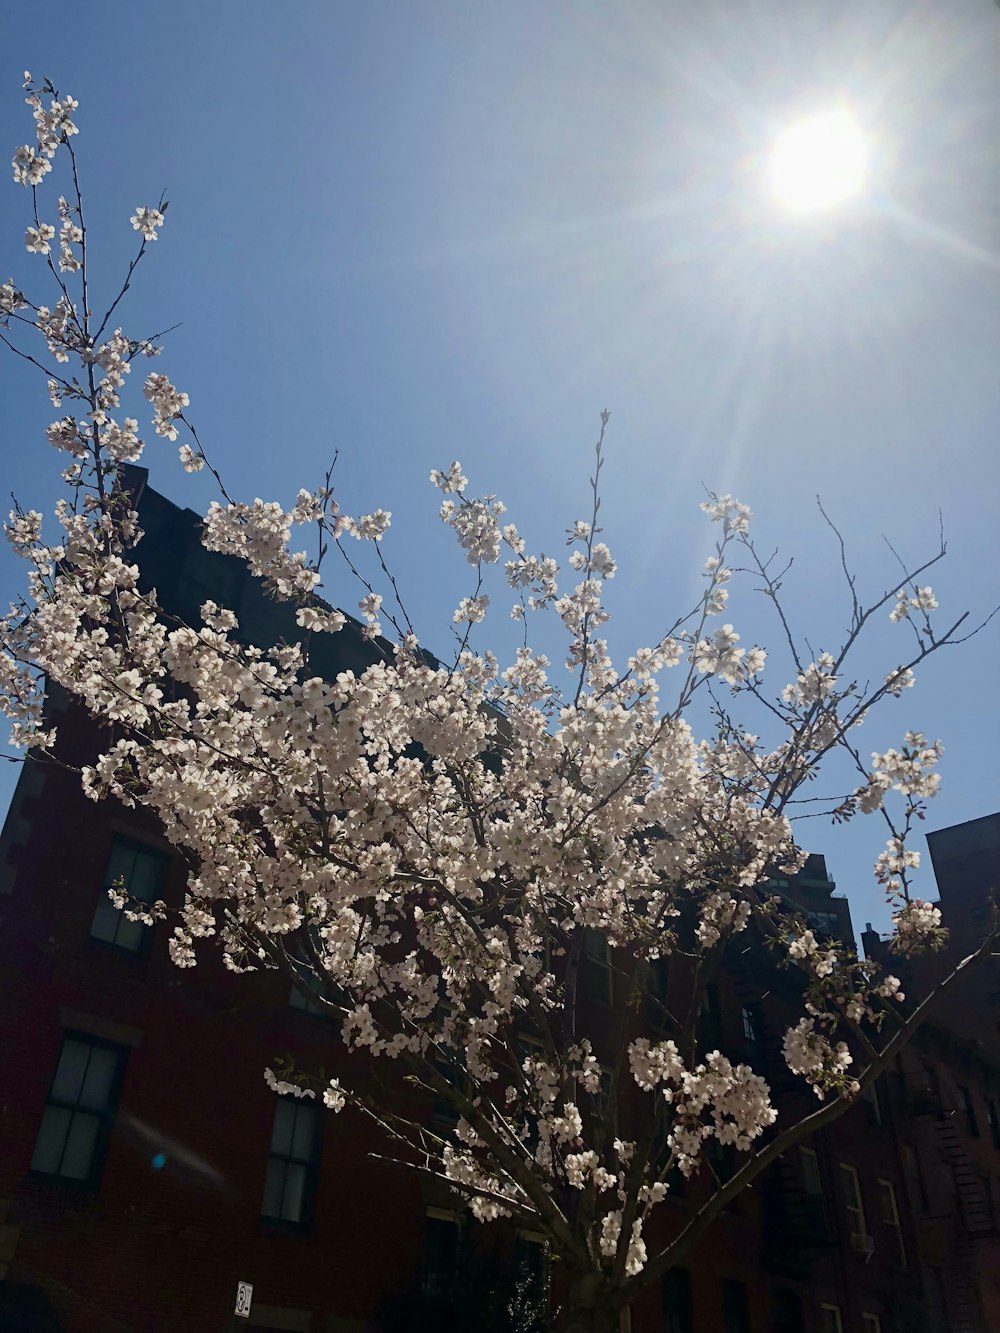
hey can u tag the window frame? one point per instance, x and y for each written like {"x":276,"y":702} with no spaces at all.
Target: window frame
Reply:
{"x":105,"y":1114}
{"x":310,"y":1165}
{"x":322,"y":992}
{"x":887,"y":1194}
{"x":873,"y":1105}
{"x":828,"y":1308}
{"x":857,"y":1207}
{"x":812,"y":1175}
{"x":677,"y":1301}
{"x":539,"y":1277}
{"x":105,"y":909}
{"x":735,"y":1306}
{"x":440,"y":1285}
{"x":596,"y":979}
{"x":914,"y":1172}
{"x":658,"y":992}
{"x":968,"y":1109}
{"x":870,"y":1323}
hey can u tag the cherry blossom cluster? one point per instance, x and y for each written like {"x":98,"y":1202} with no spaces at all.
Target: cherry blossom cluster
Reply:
{"x":53,"y":126}
{"x":917,"y":928}
{"x":436,"y":844}
{"x":922,"y":600}
{"x":821,"y":1062}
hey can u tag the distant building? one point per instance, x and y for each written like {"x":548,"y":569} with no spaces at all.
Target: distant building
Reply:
{"x":146,"y":1170}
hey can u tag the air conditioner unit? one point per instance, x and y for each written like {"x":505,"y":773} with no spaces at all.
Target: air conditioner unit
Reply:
{"x":863,"y":1244}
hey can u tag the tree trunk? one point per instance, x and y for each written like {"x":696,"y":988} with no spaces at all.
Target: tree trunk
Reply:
{"x":590,"y":1307}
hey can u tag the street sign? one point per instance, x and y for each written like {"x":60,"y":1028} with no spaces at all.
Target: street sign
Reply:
{"x":244,"y":1291}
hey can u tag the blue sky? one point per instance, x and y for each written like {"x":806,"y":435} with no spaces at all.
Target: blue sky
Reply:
{"x":418,"y":232}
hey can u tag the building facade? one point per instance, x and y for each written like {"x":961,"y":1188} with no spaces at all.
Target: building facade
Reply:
{"x":146,"y":1170}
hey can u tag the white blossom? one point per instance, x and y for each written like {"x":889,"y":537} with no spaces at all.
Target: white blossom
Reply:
{"x":148,"y":221}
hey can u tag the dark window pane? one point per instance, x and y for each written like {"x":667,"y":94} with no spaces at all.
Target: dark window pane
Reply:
{"x":678,"y":1313}
{"x":97,"y":1084}
{"x":79,"y":1107}
{"x":284,"y":1125}
{"x":78,"y":1157}
{"x":291,"y":1165}
{"x":70,"y":1071}
{"x":302,"y":1133}
{"x":274,"y":1187}
{"x":140,"y":872}
{"x":107,"y":919}
{"x":735,"y":1309}
{"x":441,"y":1236}
{"x":293,"y":1200}
{"x":51,"y":1139}
{"x":787,"y":1312}
{"x":145,"y":878}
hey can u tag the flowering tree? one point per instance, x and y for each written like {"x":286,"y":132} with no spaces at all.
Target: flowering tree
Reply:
{"x":427,"y":849}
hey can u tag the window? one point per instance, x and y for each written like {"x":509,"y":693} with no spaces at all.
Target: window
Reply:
{"x":140,"y":870}
{"x":787,"y":1311}
{"x":306,"y":1003}
{"x":927,"y":1082}
{"x":678,"y":1311}
{"x":873,"y":1105}
{"x":710,"y":1019}
{"x":657,"y":983}
{"x":915,"y":1175}
{"x":890,"y":1215}
{"x":968,"y":1110}
{"x":531,"y":1258}
{"x":449,"y":1063}
{"x":318,"y":988}
{"x":852,"y":1200}
{"x":816,"y":1221}
{"x":292,"y":1163}
{"x":529,"y":1048}
{"x":870,"y":1323}
{"x":994,"y":1122}
{"x":596,"y":967}
{"x":935,"y":1296}
{"x":990,"y":1200}
{"x":735,"y":1308}
{"x":442,"y":1233}
{"x":829,"y":1319}
{"x":827,"y":922}
{"x":79,"y":1111}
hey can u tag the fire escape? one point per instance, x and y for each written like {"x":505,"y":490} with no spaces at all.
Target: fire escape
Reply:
{"x":973,"y":1219}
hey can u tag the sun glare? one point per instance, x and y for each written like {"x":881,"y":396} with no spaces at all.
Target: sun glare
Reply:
{"x":819,"y":163}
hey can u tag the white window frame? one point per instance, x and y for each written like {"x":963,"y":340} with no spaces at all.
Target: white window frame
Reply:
{"x":870,"y":1323}
{"x":837,"y":1324}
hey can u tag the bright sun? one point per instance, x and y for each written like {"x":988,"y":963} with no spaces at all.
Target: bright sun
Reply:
{"x":819,"y":163}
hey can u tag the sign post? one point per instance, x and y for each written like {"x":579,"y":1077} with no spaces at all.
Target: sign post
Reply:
{"x":244,"y":1292}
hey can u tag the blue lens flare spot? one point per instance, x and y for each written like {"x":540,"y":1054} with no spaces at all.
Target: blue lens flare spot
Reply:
{"x":159,"y":1161}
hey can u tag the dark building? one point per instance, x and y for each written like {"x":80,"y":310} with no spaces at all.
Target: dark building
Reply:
{"x":146,"y":1169}
{"x":946,"y":1086}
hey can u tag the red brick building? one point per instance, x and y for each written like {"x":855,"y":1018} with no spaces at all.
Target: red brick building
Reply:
{"x":146,"y":1169}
